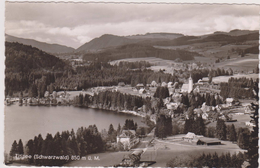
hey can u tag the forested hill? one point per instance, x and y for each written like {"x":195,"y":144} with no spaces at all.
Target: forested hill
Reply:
{"x":216,"y":37}
{"x":28,"y":68}
{"x":105,"y":41}
{"x":139,"y":51}
{"x":108,"y":40}
{"x":49,"y":48}
{"x":23,"y":59}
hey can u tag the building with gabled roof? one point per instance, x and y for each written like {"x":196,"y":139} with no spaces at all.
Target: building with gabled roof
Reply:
{"x":128,"y":139}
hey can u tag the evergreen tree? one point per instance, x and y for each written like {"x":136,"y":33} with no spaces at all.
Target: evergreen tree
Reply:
{"x":14,"y":149}
{"x":160,"y":129}
{"x":253,"y":146}
{"x":111,"y":129}
{"x":118,"y":129}
{"x":168,"y":126}
{"x":221,"y":131}
{"x":30,"y":147}
{"x":20,"y":147}
{"x":199,"y":126}
{"x":232,"y":133}
{"x":243,"y":139}
{"x":188,"y":125}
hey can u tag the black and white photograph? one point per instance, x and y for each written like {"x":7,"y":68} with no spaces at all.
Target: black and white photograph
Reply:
{"x":115,"y":84}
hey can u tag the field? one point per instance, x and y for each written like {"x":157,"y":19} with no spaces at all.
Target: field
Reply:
{"x":220,"y":79}
{"x":164,"y":150}
{"x":166,"y":65}
{"x":161,"y":151}
{"x":241,"y":119}
{"x":247,"y":63}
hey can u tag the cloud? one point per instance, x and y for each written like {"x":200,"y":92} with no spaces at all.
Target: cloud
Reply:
{"x":73,"y":24}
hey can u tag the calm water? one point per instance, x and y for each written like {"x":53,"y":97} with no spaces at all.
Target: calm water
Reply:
{"x":25,"y":122}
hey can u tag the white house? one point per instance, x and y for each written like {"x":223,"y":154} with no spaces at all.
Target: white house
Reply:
{"x":249,"y":110}
{"x":169,"y":84}
{"x":142,"y":91}
{"x":187,"y":87}
{"x":229,"y":101}
{"x":128,"y":139}
{"x":164,"y":84}
{"x":153,"y":84}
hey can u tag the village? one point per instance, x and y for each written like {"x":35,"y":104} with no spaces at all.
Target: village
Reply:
{"x":141,"y":150}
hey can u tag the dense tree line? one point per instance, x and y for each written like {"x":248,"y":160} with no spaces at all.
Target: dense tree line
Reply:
{"x":220,"y":72}
{"x":161,"y":92}
{"x":238,"y":88}
{"x":195,"y":100}
{"x":112,"y":100}
{"x":208,"y":160}
{"x":84,"y":141}
{"x":26,"y":64}
{"x":253,"y":147}
{"x":135,"y":65}
{"x":24,"y":58}
{"x":197,"y":126}
{"x":130,"y":125}
{"x":16,"y":148}
{"x":103,"y":74}
{"x":139,"y":51}
{"x":163,"y":126}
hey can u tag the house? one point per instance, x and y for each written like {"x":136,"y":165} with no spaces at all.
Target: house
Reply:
{"x":170,"y":84}
{"x":206,"y":108}
{"x":121,"y":84}
{"x":190,"y":137}
{"x":196,"y":90}
{"x":128,"y":139}
{"x":142,"y":91}
{"x":132,"y":160}
{"x":139,"y":86}
{"x":249,"y":110}
{"x":200,"y":139}
{"x":164,"y":84}
{"x":185,"y":88}
{"x":208,"y":141}
{"x":154,"y":84}
{"x":135,"y":90}
{"x":250,"y":124}
{"x":172,"y":105}
{"x":230,"y":101}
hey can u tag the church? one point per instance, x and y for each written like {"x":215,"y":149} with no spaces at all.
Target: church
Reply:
{"x":187,"y":87}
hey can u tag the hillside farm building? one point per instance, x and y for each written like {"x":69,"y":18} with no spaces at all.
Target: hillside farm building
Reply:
{"x":208,"y":141}
{"x":128,"y":139}
{"x":200,"y":140}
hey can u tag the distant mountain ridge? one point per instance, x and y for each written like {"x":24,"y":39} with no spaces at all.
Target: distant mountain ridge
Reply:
{"x":108,"y":40}
{"x":49,"y":48}
{"x":105,"y":41}
{"x":165,"y":39}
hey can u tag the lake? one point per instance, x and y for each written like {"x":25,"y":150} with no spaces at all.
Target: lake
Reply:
{"x":25,"y":122}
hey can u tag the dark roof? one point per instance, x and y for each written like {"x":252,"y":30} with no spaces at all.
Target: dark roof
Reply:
{"x":209,"y":140}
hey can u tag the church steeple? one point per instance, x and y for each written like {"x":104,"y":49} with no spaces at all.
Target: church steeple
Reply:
{"x":190,"y":84}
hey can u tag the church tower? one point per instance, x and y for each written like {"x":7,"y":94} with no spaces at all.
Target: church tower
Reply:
{"x":190,"y":84}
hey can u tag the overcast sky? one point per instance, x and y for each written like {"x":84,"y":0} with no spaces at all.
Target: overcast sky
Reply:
{"x":74,"y":24}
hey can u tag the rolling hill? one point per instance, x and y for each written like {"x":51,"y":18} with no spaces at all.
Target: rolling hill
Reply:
{"x":49,"y":48}
{"x":139,"y":51}
{"x":22,"y":58}
{"x":105,"y":41}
